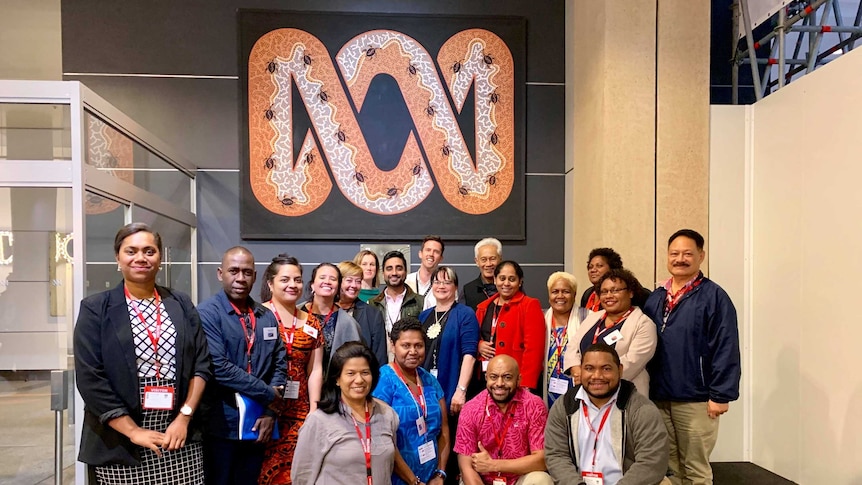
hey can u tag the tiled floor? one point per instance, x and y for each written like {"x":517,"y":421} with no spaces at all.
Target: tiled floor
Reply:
{"x":27,"y":437}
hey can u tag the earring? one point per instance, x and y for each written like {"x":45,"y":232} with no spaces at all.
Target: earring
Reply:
{"x":118,"y":267}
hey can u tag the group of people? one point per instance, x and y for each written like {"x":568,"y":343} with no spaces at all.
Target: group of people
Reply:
{"x":413,"y":381}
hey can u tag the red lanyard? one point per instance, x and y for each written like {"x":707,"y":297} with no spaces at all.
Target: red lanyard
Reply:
{"x":593,"y":302}
{"x":328,"y":315}
{"x":499,"y":438}
{"x":366,"y":442}
{"x":288,"y":337}
{"x":419,"y":397}
{"x":600,"y":327}
{"x":673,"y":299}
{"x":154,"y":338}
{"x":249,"y":341}
{"x":601,"y":425}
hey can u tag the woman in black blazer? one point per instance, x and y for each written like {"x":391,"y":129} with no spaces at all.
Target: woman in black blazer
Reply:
{"x":141,"y":364}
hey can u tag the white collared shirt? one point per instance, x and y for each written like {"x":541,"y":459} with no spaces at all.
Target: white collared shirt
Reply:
{"x":606,"y":462}
{"x":426,"y":291}
{"x":393,"y":308}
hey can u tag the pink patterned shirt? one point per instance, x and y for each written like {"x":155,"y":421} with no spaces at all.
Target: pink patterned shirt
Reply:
{"x":481,"y":419}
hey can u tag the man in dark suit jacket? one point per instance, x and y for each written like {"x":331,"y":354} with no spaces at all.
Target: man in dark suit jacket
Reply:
{"x":488,"y":253}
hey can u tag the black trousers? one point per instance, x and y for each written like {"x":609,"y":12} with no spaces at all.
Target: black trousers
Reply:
{"x":232,"y":462}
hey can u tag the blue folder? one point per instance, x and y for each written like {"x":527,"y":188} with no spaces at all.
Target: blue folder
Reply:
{"x":249,"y":411}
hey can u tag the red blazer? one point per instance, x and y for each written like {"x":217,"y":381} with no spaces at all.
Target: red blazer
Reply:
{"x":520,"y":334}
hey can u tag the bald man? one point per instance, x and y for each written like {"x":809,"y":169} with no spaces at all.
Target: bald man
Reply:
{"x":501,"y":432}
{"x":249,"y":360}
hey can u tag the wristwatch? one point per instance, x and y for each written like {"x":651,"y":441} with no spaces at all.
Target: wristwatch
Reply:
{"x":462,"y":388}
{"x":186,"y":410}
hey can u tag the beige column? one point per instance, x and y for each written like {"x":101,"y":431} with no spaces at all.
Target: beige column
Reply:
{"x":610,"y":81}
{"x":682,"y":141}
{"x":637,"y":80}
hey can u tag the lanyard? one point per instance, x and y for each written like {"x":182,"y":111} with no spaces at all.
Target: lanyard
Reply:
{"x":418,"y":396}
{"x":561,"y":343}
{"x":593,"y":302}
{"x":673,"y":299}
{"x":601,"y":425}
{"x":600,"y":327}
{"x":366,"y":442}
{"x":494,"y":317}
{"x":154,"y":338}
{"x":288,"y":337}
{"x":430,"y":285}
{"x":499,"y":438}
{"x":249,"y":338}
{"x":326,"y":318}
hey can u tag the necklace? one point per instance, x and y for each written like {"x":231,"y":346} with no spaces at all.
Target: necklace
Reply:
{"x":434,"y":330}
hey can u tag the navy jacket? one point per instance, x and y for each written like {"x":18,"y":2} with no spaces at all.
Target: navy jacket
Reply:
{"x":697,"y":358}
{"x":227,"y":346}
{"x":106,"y":370}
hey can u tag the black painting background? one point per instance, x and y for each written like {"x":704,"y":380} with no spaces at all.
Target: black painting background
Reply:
{"x":385,"y":123}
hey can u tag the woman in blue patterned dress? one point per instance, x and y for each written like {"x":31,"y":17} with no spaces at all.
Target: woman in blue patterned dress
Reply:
{"x":418,"y":399}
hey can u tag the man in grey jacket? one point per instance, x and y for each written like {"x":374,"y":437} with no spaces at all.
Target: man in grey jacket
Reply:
{"x":603,"y":432}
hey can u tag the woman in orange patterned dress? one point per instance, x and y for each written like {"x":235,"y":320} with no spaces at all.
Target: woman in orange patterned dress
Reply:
{"x":303,"y":339}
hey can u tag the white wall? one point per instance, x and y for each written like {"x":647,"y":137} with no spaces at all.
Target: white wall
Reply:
{"x":803,"y":244}
{"x":728,"y":266}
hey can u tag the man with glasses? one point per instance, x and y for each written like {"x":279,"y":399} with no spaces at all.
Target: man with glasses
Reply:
{"x":488,"y":253}
{"x":696,"y":368}
{"x":501,"y":432}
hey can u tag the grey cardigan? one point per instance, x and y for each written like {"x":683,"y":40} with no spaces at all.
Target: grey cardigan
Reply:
{"x":637,"y":431}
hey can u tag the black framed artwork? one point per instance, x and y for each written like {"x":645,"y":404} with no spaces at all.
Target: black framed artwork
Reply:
{"x":381,"y":127}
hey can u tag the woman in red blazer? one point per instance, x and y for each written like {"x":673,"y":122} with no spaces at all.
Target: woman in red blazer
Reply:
{"x":512,"y":324}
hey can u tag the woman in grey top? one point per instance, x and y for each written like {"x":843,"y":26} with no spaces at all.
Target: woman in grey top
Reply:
{"x":350,"y":438}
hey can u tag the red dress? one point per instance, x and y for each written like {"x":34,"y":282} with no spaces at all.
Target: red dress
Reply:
{"x":291,"y":412}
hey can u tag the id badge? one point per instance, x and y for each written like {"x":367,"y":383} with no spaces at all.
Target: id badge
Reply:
{"x":426,"y":452}
{"x":309,"y":330}
{"x":158,"y":397}
{"x":421,"y":427}
{"x":270,"y":333}
{"x":558,"y":386}
{"x":291,"y":390}
{"x":613,"y":337}
{"x":593,"y":478}
{"x":499,"y":481}
{"x":434,"y":372}
{"x":485,"y":365}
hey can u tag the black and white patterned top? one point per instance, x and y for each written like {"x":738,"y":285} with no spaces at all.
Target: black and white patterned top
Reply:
{"x":149,"y":364}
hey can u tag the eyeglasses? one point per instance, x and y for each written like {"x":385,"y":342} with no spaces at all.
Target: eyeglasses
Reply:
{"x":442,"y":283}
{"x":613,"y":291}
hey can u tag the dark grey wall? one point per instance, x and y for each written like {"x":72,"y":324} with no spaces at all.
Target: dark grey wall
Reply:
{"x":188,"y":96}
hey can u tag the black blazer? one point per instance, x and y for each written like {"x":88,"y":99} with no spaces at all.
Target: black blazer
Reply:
{"x":106,"y":370}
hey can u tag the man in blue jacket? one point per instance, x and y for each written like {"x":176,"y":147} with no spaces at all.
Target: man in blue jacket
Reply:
{"x":696,"y":370}
{"x":248,"y":357}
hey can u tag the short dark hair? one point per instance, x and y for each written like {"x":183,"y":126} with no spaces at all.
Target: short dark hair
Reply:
{"x":314,"y":275}
{"x":603,"y":347}
{"x":615,"y":261}
{"x":406,"y":324}
{"x":625,"y":276}
{"x":394,"y":254}
{"x":514,"y":265}
{"x":134,"y":228}
{"x":689,"y":233}
{"x":330,"y":395}
{"x":449,"y":272}
{"x":271,"y":270}
{"x":432,"y":237}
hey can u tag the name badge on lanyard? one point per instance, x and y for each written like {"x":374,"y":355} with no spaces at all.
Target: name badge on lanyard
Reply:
{"x":158,"y":397}
{"x":499,"y":481}
{"x":291,"y":390}
{"x":593,"y":478}
{"x":426,"y":452}
{"x":558,"y":386}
